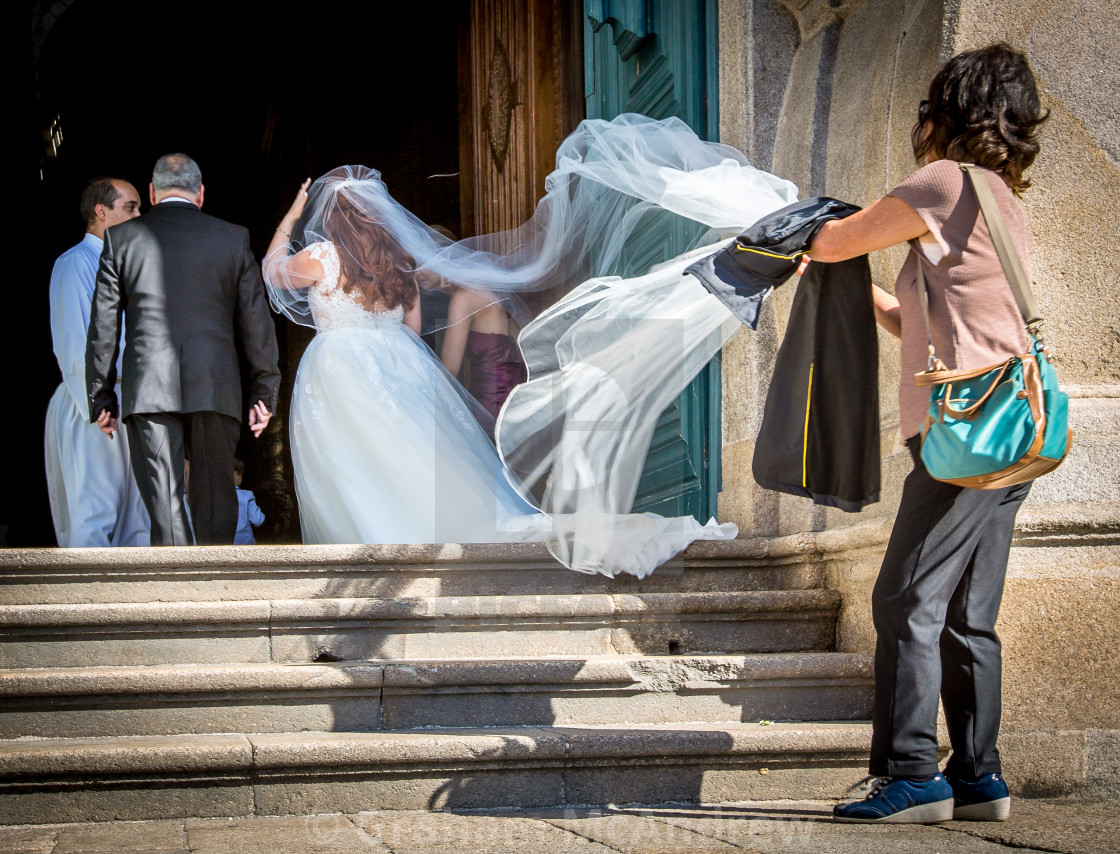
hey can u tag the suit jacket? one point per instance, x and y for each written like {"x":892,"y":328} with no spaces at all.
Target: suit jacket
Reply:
{"x":820,"y":428}
{"x":186,"y":281}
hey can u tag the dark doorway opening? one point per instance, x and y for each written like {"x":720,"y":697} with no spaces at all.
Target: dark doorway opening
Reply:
{"x":261,"y":94}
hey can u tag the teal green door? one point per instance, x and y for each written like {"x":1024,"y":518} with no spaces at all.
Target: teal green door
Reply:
{"x":658,"y":57}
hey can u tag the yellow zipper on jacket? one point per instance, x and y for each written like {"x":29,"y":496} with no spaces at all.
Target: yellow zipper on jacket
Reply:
{"x":742,"y":248}
{"x":805,"y":442}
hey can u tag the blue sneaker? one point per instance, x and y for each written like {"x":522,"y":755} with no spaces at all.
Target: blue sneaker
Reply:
{"x":899,"y":801}
{"x":986,"y":799}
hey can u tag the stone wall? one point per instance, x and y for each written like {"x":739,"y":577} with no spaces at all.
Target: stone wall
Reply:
{"x":824,"y":92}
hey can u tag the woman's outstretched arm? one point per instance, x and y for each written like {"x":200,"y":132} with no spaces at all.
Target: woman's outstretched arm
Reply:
{"x":885,"y":223}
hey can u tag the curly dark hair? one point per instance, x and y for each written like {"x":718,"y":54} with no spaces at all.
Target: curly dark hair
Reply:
{"x":371,"y":260}
{"x":984,"y":109}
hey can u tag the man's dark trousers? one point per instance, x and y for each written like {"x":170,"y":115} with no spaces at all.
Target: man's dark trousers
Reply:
{"x":159,"y":443}
{"x":934,"y":606}
{"x":188,"y":289}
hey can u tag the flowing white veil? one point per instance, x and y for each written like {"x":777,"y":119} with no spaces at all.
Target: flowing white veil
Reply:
{"x":611,"y":355}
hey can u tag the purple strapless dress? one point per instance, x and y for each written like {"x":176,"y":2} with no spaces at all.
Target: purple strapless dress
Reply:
{"x":496,"y":367}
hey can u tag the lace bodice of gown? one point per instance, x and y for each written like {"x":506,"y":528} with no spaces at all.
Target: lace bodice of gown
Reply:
{"x":334,"y":308}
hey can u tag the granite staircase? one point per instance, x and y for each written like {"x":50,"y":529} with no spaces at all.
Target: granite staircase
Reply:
{"x":235,"y":681}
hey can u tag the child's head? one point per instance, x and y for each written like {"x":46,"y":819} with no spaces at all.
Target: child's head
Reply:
{"x":238,"y":471}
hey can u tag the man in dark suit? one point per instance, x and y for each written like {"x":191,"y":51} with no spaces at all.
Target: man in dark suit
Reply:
{"x":185,"y":282}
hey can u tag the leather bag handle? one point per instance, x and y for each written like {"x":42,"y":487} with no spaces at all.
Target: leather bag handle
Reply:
{"x":932,"y":378}
{"x":968,"y":412}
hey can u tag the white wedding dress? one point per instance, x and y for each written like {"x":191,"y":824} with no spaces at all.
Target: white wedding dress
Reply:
{"x":385,"y":446}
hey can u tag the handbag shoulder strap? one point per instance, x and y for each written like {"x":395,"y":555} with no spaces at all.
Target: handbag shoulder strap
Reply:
{"x":1001,"y":239}
{"x":923,"y":298}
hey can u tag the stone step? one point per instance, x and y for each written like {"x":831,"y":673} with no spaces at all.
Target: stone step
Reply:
{"x":225,"y":573}
{"x":146,"y":777}
{"x":443,"y":627}
{"x":400,"y":695}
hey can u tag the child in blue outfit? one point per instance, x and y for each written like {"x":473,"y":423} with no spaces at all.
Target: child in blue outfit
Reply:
{"x":249,"y":515}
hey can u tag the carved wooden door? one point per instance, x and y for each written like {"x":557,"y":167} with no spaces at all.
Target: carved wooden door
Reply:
{"x":519,"y":96}
{"x":659,"y":57}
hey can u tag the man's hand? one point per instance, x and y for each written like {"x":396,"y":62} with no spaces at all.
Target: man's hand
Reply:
{"x":259,"y":417}
{"x":107,"y":423}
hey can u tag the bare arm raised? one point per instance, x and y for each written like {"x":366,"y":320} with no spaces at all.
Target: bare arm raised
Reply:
{"x":291,"y":271}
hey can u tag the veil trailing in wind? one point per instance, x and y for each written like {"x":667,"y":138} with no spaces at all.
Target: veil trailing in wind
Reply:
{"x":608,"y":357}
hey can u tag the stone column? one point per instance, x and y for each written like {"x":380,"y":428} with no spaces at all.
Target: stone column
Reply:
{"x":824,"y":92}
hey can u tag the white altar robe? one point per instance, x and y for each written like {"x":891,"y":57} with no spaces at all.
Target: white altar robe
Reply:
{"x":93,"y":495}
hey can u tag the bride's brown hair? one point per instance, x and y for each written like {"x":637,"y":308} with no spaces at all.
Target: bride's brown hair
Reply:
{"x":371,"y":260}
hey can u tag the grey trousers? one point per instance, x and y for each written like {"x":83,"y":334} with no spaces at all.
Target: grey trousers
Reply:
{"x":934,"y":606}
{"x":159,"y":444}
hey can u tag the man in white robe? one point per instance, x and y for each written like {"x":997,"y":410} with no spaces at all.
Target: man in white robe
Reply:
{"x":93,"y":495}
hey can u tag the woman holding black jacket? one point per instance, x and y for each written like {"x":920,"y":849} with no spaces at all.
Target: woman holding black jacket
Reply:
{"x":938,"y":592}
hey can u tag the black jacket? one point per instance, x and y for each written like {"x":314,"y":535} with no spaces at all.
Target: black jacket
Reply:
{"x":765,"y":255}
{"x":820,"y":427}
{"x":185,"y":281}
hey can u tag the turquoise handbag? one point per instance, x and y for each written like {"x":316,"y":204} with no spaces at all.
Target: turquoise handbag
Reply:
{"x":1004,"y":424}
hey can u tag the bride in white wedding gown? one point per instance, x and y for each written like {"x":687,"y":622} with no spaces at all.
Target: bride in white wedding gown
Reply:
{"x":388,"y":447}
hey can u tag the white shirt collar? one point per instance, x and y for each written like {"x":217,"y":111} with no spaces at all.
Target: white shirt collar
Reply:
{"x":176,"y":199}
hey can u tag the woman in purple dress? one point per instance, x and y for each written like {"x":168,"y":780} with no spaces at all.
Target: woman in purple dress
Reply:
{"x":482,"y":337}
